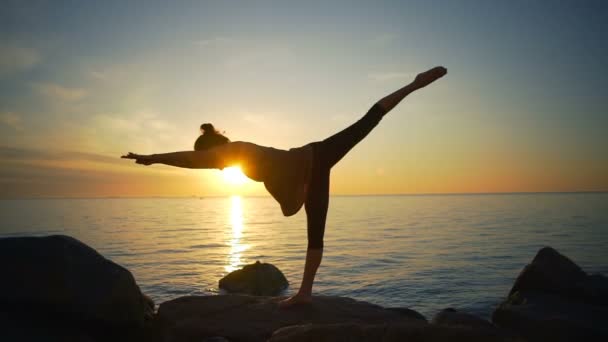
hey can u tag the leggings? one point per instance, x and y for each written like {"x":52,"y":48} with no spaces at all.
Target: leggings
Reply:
{"x":326,"y":154}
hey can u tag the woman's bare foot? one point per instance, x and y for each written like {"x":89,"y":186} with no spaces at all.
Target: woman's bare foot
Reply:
{"x":425,"y":78}
{"x":297,"y":299}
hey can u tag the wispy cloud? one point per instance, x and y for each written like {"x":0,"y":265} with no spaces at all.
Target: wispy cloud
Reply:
{"x":111,"y":72}
{"x":66,"y":159}
{"x":99,"y":75}
{"x":12,"y":120}
{"x":22,"y":154}
{"x":213,"y":41}
{"x":386,"y":76}
{"x":14,"y":59}
{"x":59,"y":92}
{"x":61,"y":173}
{"x":137,"y":131}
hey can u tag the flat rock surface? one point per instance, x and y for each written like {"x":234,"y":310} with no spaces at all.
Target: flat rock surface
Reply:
{"x":416,"y":331}
{"x":250,"y":318}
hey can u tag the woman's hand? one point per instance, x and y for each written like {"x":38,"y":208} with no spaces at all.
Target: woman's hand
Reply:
{"x":140,"y":158}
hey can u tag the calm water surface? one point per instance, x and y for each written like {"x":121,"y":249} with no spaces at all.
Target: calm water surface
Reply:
{"x":421,"y":252}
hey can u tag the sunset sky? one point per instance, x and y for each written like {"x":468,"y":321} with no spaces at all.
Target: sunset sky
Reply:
{"x":523,"y":108}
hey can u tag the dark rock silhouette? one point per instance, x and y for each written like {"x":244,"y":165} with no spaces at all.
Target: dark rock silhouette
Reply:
{"x":414,"y":331}
{"x":409,"y":313}
{"x":253,"y":318}
{"x":259,"y":279}
{"x":57,"y":281}
{"x":549,"y":272}
{"x":453,"y":318}
{"x":58,"y":289}
{"x":554,"y":299}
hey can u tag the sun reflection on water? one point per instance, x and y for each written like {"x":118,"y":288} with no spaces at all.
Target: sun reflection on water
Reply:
{"x":236,"y":247}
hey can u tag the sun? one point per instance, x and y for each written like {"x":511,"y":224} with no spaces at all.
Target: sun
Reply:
{"x":234,"y":175}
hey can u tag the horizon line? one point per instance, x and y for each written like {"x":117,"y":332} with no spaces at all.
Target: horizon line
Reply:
{"x":331,"y":195}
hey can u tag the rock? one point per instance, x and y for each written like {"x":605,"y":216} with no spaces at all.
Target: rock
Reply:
{"x":450,"y":316}
{"x":350,"y":332}
{"x":413,"y":331}
{"x":554,"y":299}
{"x":60,"y":277}
{"x":215,"y":339}
{"x":254,"y":318}
{"x":544,"y":317}
{"x":259,"y":279}
{"x":549,"y":272}
{"x":409,"y":313}
{"x":453,"y":318}
{"x":594,"y":289}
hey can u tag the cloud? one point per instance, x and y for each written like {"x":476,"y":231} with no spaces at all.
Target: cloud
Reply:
{"x":58,"y":92}
{"x":137,"y":131}
{"x":61,"y":173}
{"x":386,"y":76}
{"x":12,"y":120}
{"x":100,"y":75}
{"x":213,"y":41}
{"x":15,"y":154}
{"x":15,"y":59}
{"x":113,"y":72}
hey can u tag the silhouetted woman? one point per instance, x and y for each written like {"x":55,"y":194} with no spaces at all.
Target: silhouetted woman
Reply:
{"x":296,"y":177}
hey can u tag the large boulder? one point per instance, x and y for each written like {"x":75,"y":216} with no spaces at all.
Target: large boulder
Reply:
{"x":60,"y":278}
{"x":554,"y":299}
{"x":259,"y":279}
{"x":255,"y":318}
{"x":549,"y":272}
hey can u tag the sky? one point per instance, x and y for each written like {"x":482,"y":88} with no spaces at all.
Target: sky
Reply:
{"x":522,"y":109}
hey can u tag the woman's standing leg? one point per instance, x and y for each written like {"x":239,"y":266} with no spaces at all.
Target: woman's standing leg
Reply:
{"x":316,"y":206}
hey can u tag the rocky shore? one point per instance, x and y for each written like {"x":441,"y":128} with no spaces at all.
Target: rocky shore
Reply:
{"x":56,"y":288}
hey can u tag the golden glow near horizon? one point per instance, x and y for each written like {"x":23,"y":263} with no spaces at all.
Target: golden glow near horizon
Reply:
{"x":236,"y":246}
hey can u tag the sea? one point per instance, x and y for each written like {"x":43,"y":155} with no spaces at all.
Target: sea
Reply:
{"x":423,"y":252}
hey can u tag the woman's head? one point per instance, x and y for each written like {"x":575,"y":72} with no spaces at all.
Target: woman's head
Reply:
{"x":209,"y":138}
{"x":208,"y":128}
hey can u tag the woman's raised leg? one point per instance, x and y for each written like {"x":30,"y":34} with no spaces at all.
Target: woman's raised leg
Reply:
{"x":337,"y":146}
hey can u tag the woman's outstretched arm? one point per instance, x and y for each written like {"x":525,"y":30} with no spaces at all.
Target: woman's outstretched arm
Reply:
{"x":422,"y":80}
{"x":185,"y":159}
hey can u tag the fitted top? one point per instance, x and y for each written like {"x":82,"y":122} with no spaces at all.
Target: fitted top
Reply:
{"x":286,"y":173}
